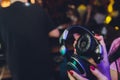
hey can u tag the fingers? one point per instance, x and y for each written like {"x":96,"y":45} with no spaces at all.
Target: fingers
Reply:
{"x":74,"y":76}
{"x":70,"y":76}
{"x":97,"y":73}
{"x":103,"y":66}
{"x":100,"y":39}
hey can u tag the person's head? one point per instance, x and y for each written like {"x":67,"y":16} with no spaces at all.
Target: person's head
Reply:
{"x":73,"y":15}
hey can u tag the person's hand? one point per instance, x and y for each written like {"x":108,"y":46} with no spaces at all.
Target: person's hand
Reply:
{"x":54,"y":33}
{"x":74,"y":76}
{"x":103,"y":66}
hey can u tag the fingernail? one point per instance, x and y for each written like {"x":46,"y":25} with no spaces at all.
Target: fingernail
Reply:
{"x":92,"y":67}
{"x":71,"y":72}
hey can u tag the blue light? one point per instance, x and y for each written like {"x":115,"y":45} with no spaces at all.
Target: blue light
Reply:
{"x":63,"y":50}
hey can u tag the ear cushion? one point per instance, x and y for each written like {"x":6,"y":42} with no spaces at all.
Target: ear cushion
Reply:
{"x":83,"y":43}
{"x":88,"y":46}
{"x":81,"y":66}
{"x":86,"y":43}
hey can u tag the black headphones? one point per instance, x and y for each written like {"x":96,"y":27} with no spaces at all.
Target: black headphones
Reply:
{"x":86,"y":46}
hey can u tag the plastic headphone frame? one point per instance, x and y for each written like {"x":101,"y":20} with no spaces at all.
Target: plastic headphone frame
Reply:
{"x":69,"y":30}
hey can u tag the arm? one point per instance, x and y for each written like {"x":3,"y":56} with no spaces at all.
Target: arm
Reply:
{"x":104,"y":66}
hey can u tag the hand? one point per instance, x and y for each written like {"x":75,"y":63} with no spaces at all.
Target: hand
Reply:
{"x":104,"y":66}
{"x":54,"y":33}
{"x":74,"y":76}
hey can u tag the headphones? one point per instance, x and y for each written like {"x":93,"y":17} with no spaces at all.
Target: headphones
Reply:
{"x":86,"y":46}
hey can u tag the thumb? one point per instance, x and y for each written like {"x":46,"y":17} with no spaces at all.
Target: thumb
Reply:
{"x":97,"y":73}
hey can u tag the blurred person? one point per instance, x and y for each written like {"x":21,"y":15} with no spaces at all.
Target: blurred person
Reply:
{"x":114,"y":59}
{"x":101,"y":70}
{"x":92,"y":16}
{"x":25,"y":29}
{"x":73,"y":17}
{"x":82,"y":10}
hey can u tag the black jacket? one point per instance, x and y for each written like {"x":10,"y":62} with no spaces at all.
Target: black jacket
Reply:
{"x":24,"y":30}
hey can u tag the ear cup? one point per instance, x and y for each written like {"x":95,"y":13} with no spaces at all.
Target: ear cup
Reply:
{"x":74,"y":64}
{"x":88,"y":46}
{"x":83,"y":44}
{"x":81,"y":66}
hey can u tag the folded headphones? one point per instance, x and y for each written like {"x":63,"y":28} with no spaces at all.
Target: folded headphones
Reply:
{"x":86,"y":47}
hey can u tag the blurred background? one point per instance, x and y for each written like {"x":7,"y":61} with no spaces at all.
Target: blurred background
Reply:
{"x":100,"y":16}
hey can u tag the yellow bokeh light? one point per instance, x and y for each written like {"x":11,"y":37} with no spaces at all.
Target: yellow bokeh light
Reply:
{"x":114,"y":14}
{"x":117,"y":28}
{"x":5,"y":3}
{"x":33,"y":1}
{"x":82,"y":7}
{"x":110,"y":6}
{"x":108,"y":19}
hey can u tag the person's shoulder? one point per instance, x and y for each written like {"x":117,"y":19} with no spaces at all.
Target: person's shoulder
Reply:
{"x":37,"y":6}
{"x":21,"y":4}
{"x":17,"y":3}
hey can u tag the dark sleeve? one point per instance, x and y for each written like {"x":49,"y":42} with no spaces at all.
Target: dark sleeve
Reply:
{"x":2,"y":48}
{"x":0,"y":20}
{"x":50,"y":24}
{"x":48,"y":21}
{"x":1,"y":24}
